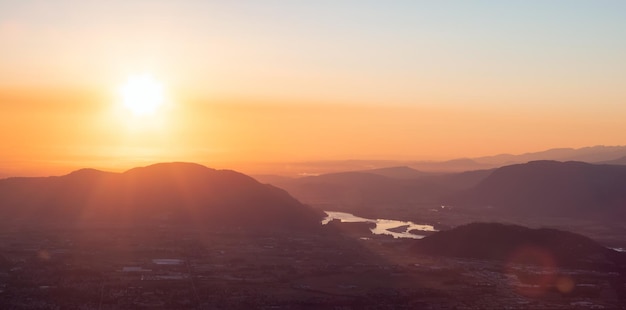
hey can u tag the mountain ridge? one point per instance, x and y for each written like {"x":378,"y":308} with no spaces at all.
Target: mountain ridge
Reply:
{"x":553,"y":188}
{"x":181,"y":191}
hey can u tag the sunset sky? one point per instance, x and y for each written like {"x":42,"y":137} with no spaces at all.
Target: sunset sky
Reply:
{"x":246,"y":82}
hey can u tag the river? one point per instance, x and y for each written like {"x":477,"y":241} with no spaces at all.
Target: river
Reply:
{"x":383,"y":226}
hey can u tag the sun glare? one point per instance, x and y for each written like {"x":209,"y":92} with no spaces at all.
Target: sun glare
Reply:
{"x":142,"y":94}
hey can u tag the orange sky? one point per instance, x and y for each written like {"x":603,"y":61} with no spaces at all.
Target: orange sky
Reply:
{"x":285,"y":82}
{"x":60,"y":131}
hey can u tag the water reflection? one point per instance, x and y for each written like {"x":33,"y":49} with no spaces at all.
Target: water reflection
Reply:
{"x":401,"y":229}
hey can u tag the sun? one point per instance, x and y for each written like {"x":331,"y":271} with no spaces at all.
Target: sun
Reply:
{"x":142,"y":94}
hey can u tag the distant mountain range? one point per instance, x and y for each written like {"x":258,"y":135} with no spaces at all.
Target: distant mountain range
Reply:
{"x":518,"y":244}
{"x":538,"y":188}
{"x":176,"y":192}
{"x":190,"y":191}
{"x":594,"y":154}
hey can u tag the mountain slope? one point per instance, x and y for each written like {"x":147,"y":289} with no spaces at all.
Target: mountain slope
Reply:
{"x":617,"y":161}
{"x":350,"y":188}
{"x":181,"y":192}
{"x":569,"y":189}
{"x":358,"y":189}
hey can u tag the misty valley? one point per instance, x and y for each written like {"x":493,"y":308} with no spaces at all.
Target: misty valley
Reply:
{"x":292,"y":155}
{"x":535,"y":235}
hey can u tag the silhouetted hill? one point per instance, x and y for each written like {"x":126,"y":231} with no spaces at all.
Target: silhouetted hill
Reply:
{"x":179,"y":192}
{"x":568,"y":189}
{"x":502,"y":242}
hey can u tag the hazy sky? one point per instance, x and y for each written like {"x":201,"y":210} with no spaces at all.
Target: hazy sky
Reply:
{"x":307,"y":80}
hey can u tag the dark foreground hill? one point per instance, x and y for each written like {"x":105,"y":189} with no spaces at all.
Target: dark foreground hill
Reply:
{"x":567,"y":189}
{"x":173,"y":192}
{"x":503,"y":242}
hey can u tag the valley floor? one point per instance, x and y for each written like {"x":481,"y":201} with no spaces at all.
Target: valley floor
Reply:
{"x":171,"y":268}
{"x":608,"y":233}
